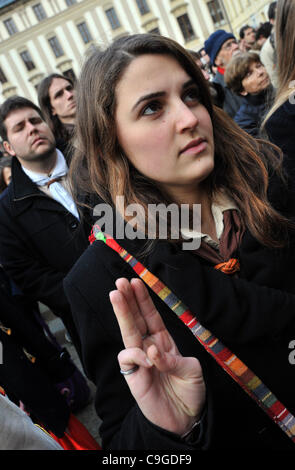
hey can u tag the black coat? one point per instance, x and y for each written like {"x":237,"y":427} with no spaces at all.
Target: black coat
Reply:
{"x":253,"y":315}
{"x":252,"y":111}
{"x":32,"y":382}
{"x":280,"y":129}
{"x":39,"y":243}
{"x":232,"y":102}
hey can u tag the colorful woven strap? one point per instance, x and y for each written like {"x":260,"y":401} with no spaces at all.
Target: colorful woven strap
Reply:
{"x":250,"y":383}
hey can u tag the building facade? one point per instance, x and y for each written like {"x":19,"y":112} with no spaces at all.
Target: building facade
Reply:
{"x":39,"y":37}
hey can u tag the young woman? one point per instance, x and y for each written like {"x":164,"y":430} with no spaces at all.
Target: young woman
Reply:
{"x":147,"y":132}
{"x":279,"y":122}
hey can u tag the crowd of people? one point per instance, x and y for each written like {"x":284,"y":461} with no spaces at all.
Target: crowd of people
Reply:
{"x":172,"y":338}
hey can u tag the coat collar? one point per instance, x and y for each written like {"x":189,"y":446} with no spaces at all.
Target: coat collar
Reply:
{"x":22,"y":192}
{"x":21,"y":185}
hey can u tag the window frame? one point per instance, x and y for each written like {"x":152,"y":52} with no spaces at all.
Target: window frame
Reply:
{"x":39,"y":11}
{"x":113,"y":18}
{"x":186,"y":23}
{"x":56,"y":46}
{"x":27,"y":60}
{"x":143,"y":7}
{"x":10,"y":26}
{"x":84,"y":32}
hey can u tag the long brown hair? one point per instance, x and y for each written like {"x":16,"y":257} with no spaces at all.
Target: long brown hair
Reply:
{"x":59,"y":130}
{"x":100,"y":166}
{"x":285,"y":50}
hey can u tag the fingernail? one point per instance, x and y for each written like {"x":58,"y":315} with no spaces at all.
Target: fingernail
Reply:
{"x":149,"y":362}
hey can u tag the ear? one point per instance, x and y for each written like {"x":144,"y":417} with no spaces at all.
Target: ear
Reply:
{"x":53,"y":112}
{"x":8,"y":148}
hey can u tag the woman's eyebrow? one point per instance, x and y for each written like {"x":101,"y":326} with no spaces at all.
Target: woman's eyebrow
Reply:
{"x":148,"y":97}
{"x":160,"y":93}
{"x":188,"y":83}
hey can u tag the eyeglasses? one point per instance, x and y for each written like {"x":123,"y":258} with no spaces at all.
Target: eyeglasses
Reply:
{"x":227,"y":46}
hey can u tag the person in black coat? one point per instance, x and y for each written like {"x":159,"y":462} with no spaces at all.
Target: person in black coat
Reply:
{"x":279,"y":122}
{"x":157,"y":387}
{"x":247,"y":77}
{"x":42,"y":233}
{"x":31,"y":366}
{"x":221,"y":46}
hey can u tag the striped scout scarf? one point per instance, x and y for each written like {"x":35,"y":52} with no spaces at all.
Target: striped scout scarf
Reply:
{"x":239,"y":372}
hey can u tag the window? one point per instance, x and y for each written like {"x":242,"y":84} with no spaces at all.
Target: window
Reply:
{"x":186,"y":27}
{"x":155,"y":31}
{"x":113,"y":19}
{"x":216,"y":12}
{"x":27,"y":59}
{"x":70,"y":74}
{"x":143,"y":6}
{"x":3,"y":78}
{"x":39,"y":12}
{"x":70,"y":2}
{"x":10,"y":26}
{"x":84,"y":31}
{"x":55,"y":46}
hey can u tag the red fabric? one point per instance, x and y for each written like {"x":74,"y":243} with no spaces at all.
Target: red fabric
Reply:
{"x":76,"y":437}
{"x":221,"y":70}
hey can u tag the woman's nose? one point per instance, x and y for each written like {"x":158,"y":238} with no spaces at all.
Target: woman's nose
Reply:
{"x":186,"y":118}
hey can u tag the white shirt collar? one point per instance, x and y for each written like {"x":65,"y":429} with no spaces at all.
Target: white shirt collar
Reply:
{"x":60,"y":169}
{"x":221,"y":203}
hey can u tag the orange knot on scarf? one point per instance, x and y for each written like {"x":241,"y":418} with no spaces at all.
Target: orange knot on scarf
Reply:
{"x":228,"y":267}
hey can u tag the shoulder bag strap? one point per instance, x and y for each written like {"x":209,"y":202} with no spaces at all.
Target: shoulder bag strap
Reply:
{"x":239,"y":372}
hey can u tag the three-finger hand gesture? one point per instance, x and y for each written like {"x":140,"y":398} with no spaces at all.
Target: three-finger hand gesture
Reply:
{"x":168,"y":388}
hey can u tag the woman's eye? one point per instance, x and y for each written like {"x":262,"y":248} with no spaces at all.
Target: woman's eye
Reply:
{"x":151,"y":108}
{"x":191,"y":96}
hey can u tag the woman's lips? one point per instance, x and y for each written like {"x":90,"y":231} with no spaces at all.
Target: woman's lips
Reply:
{"x":194,"y":147}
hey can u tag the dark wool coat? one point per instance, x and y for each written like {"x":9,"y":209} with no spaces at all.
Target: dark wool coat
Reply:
{"x":280,"y":129}
{"x":22,"y":379}
{"x":254,"y":315}
{"x":39,"y":242}
{"x":232,"y":102}
{"x":252,"y":111}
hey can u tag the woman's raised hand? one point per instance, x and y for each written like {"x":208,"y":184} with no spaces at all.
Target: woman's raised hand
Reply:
{"x":168,"y":388}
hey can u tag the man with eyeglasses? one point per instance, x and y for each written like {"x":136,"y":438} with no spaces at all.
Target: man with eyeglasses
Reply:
{"x":221,"y":46}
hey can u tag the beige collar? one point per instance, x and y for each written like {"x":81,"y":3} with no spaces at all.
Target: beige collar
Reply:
{"x":221,"y":203}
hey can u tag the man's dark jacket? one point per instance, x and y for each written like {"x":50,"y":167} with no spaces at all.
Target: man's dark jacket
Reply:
{"x":21,"y":335}
{"x":39,"y":243}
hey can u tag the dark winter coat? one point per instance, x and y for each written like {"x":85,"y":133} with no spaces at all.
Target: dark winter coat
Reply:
{"x":254,"y":108}
{"x":252,"y":314}
{"x":30,"y":363}
{"x":280,"y":129}
{"x":232,"y":102}
{"x":39,"y":243}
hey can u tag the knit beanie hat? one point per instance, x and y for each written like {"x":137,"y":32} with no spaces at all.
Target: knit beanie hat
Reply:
{"x":214,"y":42}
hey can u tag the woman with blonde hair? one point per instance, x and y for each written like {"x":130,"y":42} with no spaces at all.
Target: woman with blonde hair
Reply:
{"x":279,"y":122}
{"x":148,"y":134}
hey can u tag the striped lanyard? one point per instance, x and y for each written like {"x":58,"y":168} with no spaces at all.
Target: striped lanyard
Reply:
{"x":239,"y":372}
